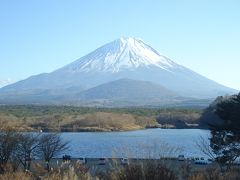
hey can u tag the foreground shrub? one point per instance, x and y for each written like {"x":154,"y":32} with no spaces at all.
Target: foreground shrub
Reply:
{"x":233,"y":174}
{"x":149,"y":171}
{"x":16,"y":176}
{"x":216,"y":174}
{"x":75,"y":172}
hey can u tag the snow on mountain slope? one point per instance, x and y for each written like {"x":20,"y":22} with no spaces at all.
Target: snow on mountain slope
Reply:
{"x":124,"y":58}
{"x":5,"y":82}
{"x":121,"y":54}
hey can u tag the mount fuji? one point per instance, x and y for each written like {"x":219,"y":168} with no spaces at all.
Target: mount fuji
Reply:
{"x":126,"y":71}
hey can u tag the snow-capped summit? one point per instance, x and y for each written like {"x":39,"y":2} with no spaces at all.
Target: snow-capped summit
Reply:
{"x":125,"y":71}
{"x":121,"y":54}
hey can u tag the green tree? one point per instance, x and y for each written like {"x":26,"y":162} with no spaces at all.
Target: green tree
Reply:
{"x":225,"y":137}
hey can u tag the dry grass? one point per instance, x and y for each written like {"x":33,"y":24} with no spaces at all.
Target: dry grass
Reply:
{"x":110,"y":121}
{"x":16,"y":176}
{"x":97,"y":121}
{"x":149,"y":171}
{"x":70,"y":118}
{"x":215,"y":174}
{"x":10,"y":121}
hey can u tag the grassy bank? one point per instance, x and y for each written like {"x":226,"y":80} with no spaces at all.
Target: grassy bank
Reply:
{"x":68,"y":118}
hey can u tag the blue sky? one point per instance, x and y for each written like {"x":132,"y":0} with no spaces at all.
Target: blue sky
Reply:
{"x":42,"y":35}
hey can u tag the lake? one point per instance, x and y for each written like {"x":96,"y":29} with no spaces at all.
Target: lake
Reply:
{"x":148,"y":143}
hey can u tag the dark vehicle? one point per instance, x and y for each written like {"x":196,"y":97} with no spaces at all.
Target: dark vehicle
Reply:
{"x":82,"y":160}
{"x":102,"y":161}
{"x":66,"y":158}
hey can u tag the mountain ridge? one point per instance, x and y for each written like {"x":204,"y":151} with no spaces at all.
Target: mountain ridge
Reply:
{"x":128,"y":89}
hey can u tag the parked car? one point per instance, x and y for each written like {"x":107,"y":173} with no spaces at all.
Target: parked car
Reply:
{"x":201,"y":161}
{"x":124,"y":161}
{"x":191,"y":158}
{"x":102,"y":161}
{"x":181,"y":158}
{"x":66,"y":158}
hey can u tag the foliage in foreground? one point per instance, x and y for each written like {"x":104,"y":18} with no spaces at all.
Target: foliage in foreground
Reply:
{"x":149,"y":171}
{"x":19,"y":149}
{"x":225,"y":136}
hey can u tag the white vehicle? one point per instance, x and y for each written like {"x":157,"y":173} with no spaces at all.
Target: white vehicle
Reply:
{"x":124,"y":161}
{"x":201,"y":161}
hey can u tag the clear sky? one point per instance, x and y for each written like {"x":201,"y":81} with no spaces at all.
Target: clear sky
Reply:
{"x":39,"y":36}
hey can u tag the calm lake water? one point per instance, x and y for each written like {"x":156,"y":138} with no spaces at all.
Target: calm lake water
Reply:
{"x":149,"y":143}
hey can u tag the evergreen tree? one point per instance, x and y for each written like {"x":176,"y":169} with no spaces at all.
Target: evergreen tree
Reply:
{"x":225,"y":137}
